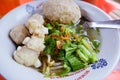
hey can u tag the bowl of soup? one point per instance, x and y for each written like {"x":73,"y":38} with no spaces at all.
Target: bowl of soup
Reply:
{"x":36,"y":45}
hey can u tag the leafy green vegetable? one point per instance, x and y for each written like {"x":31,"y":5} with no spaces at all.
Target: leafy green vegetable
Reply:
{"x":82,"y":56}
{"x":69,"y":48}
{"x":77,"y":50}
{"x":96,"y":44}
{"x":51,"y":44}
{"x":62,"y":54}
{"x":70,"y":29}
{"x":88,"y":45}
{"x":48,"y":26}
{"x":65,"y":71}
{"x":75,"y":63}
{"x":84,"y":50}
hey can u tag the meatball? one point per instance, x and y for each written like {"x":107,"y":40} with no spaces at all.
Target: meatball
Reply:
{"x":63,"y":11}
{"x":18,"y":33}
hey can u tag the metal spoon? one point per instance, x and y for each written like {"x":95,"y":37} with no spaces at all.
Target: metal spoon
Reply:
{"x":103,"y":24}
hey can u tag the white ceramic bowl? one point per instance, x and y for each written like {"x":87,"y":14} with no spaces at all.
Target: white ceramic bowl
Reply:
{"x":108,"y":56}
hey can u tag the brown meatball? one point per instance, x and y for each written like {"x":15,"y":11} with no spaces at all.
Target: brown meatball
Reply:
{"x":64,"y":11}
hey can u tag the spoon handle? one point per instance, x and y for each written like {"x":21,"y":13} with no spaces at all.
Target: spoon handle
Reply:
{"x":105,"y":24}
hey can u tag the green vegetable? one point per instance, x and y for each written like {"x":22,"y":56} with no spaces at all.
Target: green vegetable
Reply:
{"x":65,"y":71}
{"x":55,"y":24}
{"x":48,"y":26}
{"x":71,"y":30}
{"x":62,"y":54}
{"x":82,"y":56}
{"x":88,"y":45}
{"x":69,"y":48}
{"x":96,"y":44}
{"x":50,"y":47}
{"x":75,"y":63}
{"x":77,"y":49}
{"x":84,"y":50}
{"x":55,"y":32}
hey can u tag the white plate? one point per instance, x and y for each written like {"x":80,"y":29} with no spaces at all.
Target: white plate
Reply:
{"x":108,"y":56}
